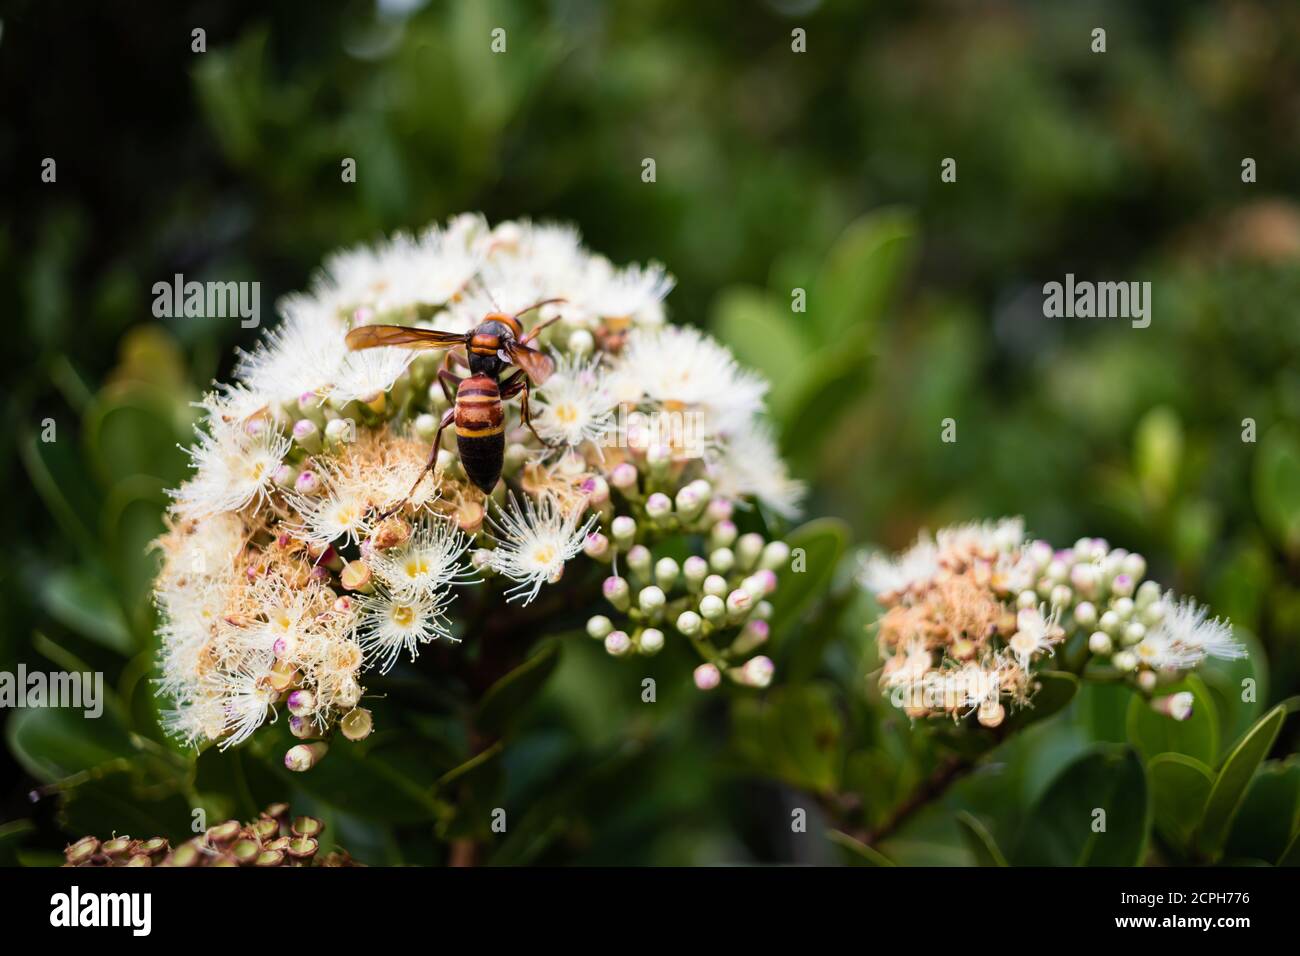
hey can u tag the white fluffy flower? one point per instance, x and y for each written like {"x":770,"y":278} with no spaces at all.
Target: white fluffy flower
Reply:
{"x":389,"y":624}
{"x":398,"y":274}
{"x":246,"y":696}
{"x":1186,"y":636}
{"x":633,"y":292}
{"x":535,"y":541}
{"x":429,"y":560}
{"x":342,"y":512}
{"x":574,"y":406}
{"x":682,"y":368}
{"x":299,"y":356}
{"x":1036,"y":632}
{"x":234,"y":466}
{"x":983,"y":537}
{"x":366,"y":374}
{"x":748,"y":464}
{"x":882,"y":575}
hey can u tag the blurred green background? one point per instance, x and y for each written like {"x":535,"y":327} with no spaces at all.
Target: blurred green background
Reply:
{"x":776,"y":171}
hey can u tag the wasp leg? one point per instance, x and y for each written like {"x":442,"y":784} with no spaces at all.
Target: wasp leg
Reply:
{"x":518,"y":384}
{"x":447,"y":419}
{"x":450,"y":382}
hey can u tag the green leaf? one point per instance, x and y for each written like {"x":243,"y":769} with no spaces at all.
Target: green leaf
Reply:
{"x":1055,"y":691}
{"x":1065,"y":828}
{"x":1277,"y":486}
{"x":79,"y":600}
{"x":1197,"y":736}
{"x":53,"y":743}
{"x":1158,"y":454}
{"x":1234,"y":777}
{"x":858,"y":853}
{"x":1267,"y":819}
{"x":980,"y":841}
{"x":862,"y":271}
{"x":506,"y":702}
{"x":815,"y":552}
{"x":794,"y":734}
{"x":1180,"y":786}
{"x":765,"y":338}
{"x":11,"y":835}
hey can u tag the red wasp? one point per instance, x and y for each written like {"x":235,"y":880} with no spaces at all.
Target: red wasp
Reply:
{"x":492,"y":346}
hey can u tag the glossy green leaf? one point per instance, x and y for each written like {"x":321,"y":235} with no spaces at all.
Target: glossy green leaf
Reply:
{"x":793,"y":734}
{"x":506,"y":702}
{"x":1095,"y":813}
{"x":1277,"y":486}
{"x":1233,"y":778}
{"x":980,"y":841}
{"x":857,"y":853}
{"x":12,"y":835}
{"x":863,"y":269}
{"x":815,"y":552}
{"x":1180,"y":786}
{"x":1158,"y":453}
{"x":53,"y":743}
{"x":1154,"y":733}
{"x":1055,"y":691}
{"x":766,"y":338}
{"x":81,"y":601}
{"x":1267,"y":820}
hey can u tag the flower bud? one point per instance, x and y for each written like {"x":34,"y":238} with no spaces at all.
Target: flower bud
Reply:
{"x":723,"y":533}
{"x":1177,"y":706}
{"x":707,"y":677}
{"x":307,"y":483}
{"x":301,"y":703}
{"x":755,"y":672}
{"x":775,"y":555}
{"x":991,"y":713}
{"x":1133,"y":634}
{"x":1110,"y":623}
{"x":1060,"y":596}
{"x":1147,"y":680}
{"x":305,"y":756}
{"x":651,"y":641}
{"x":1026,"y":600}
{"x":1153,"y":613}
{"x":624,"y":478}
{"x":596,"y":546}
{"x":638,"y":560}
{"x":599,"y":626}
{"x":618,"y":593}
{"x":666,"y":573}
{"x":1085,"y":615}
{"x":719,"y":509}
{"x":516,"y":456}
{"x":695,"y":569}
{"x":722,"y":560}
{"x":749,"y":547}
{"x":689,"y":502}
{"x":617,"y":643}
{"x":712,"y":608}
{"x":307,"y":436}
{"x":658,"y":506}
{"x":1122,"y":585}
{"x":596,"y":489}
{"x":1135,"y":566}
{"x":623,"y":530}
{"x":1100,"y":643}
{"x":285,"y":476}
{"x":739,"y":604}
{"x":1147,"y":593}
{"x":339,"y":431}
{"x":581,"y":343}
{"x":715,"y":584}
{"x":1123,"y":607}
{"x":689,"y":623}
{"x":1124,"y":661}
{"x":651,"y":600}
{"x":764,"y":611}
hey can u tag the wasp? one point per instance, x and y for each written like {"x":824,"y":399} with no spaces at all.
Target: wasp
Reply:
{"x":477,"y":411}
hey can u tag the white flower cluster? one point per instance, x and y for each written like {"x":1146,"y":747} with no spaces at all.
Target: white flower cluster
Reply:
{"x":971,"y":612}
{"x":298,"y":556}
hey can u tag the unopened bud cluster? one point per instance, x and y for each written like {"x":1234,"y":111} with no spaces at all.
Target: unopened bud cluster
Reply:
{"x":275,"y":838}
{"x":717,"y":599}
{"x":972,"y":613}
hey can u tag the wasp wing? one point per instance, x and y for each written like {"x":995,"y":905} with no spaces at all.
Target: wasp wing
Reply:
{"x":537,"y":366}
{"x":373,"y":336}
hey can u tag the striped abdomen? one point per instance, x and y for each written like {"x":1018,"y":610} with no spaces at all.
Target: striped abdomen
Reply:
{"x":480,"y":430}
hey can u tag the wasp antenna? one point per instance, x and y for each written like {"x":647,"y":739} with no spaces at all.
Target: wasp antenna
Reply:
{"x":538,"y":305}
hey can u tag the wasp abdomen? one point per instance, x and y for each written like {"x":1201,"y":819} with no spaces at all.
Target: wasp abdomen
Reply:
{"x":480,"y":430}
